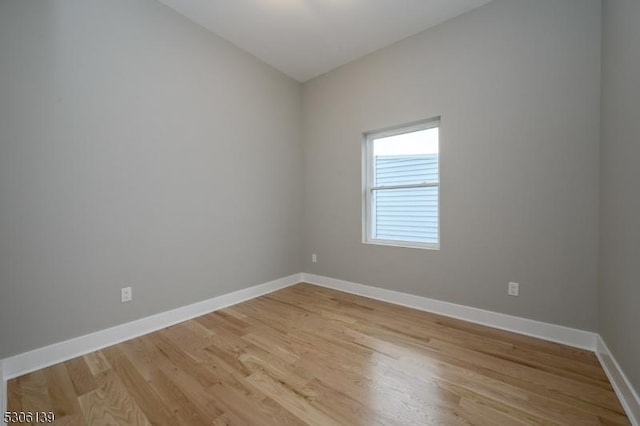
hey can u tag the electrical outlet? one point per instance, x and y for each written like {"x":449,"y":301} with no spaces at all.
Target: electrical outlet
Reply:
{"x":314,"y":258}
{"x":126,"y":294}
{"x":513,"y":289}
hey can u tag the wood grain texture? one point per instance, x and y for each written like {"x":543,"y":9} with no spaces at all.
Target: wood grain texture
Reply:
{"x":309,"y":355}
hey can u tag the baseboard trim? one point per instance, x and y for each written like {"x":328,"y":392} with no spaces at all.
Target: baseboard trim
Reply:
{"x":49,"y":355}
{"x":555,"y":333}
{"x":621,"y":384}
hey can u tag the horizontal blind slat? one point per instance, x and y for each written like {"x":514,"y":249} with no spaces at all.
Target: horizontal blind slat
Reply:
{"x":405,"y":169}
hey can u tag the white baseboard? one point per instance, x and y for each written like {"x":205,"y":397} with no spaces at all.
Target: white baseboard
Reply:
{"x":621,"y":384}
{"x":555,"y":333}
{"x":40,"y":358}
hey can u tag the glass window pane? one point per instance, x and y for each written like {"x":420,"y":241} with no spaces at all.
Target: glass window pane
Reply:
{"x":408,"y":158}
{"x":407,"y":214}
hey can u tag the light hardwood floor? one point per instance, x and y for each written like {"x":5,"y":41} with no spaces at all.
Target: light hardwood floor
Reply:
{"x":307,"y":354}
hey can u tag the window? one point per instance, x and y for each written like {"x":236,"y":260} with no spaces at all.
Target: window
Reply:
{"x":402,"y":185}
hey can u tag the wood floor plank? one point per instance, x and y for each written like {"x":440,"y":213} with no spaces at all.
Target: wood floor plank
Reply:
{"x":111,"y":403}
{"x":80,"y":375}
{"x":192,"y":388}
{"x":96,"y":362}
{"x":184,"y":409}
{"x":64,"y":400}
{"x":142,"y":354}
{"x":14,"y":398}
{"x":234,"y":400}
{"x":144,"y":396}
{"x":33,"y":392}
{"x":311,"y":355}
{"x":329,"y":399}
{"x":293,"y":400}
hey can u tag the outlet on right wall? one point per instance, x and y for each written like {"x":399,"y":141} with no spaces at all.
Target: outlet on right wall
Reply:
{"x":619,"y":284}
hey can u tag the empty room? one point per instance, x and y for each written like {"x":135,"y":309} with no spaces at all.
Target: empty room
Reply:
{"x":323,"y":212}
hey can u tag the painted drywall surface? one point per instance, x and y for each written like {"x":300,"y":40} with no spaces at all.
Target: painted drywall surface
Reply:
{"x":619,"y":291}
{"x":516,"y":83}
{"x":138,"y":149}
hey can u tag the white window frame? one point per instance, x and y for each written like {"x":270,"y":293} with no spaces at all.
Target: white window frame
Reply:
{"x":368,"y":188}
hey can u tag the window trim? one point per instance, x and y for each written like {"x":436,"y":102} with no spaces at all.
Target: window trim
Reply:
{"x":367,"y":180}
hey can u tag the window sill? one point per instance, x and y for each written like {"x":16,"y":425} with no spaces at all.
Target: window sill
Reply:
{"x":403,"y":244}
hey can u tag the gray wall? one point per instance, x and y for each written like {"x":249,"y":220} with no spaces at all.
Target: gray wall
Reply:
{"x":135,"y":149}
{"x":516,"y":83}
{"x":138,"y":149}
{"x":620,"y":204}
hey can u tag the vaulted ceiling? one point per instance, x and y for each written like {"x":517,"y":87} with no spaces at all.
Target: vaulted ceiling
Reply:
{"x":306,"y":38}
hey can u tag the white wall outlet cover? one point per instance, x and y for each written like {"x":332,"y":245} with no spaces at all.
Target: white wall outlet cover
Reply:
{"x":314,"y":258}
{"x":513,"y":289}
{"x":126,"y":294}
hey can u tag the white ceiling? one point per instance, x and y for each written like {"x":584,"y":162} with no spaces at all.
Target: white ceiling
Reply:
{"x":306,"y":38}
